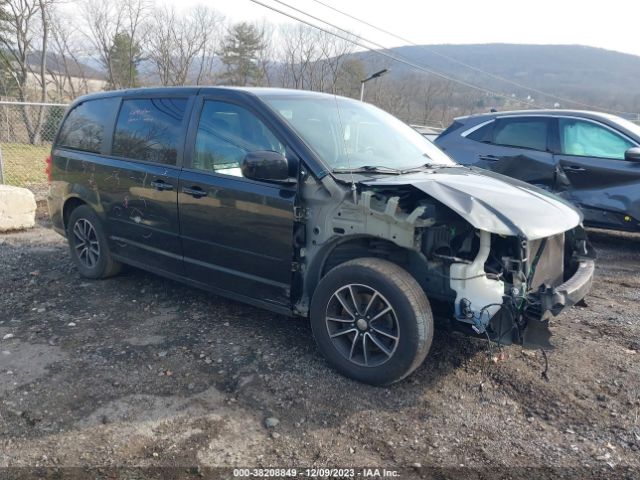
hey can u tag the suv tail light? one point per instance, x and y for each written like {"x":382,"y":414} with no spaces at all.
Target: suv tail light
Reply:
{"x":47,"y":169}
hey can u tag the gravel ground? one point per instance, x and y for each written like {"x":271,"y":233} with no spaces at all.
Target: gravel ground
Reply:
{"x":142,"y":371}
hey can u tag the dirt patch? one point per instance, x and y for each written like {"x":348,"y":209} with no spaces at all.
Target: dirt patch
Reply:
{"x":139,"y":370}
{"x":22,"y":363}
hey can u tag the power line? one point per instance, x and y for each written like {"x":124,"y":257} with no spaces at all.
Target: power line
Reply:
{"x":381,"y":52}
{"x":472,"y":67}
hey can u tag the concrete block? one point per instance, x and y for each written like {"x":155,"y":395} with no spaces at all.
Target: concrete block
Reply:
{"x":17,"y":208}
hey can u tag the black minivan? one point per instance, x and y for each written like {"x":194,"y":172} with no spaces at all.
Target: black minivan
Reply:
{"x":317,"y":206}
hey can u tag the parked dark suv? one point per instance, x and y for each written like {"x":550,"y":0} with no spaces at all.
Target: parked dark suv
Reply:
{"x":313,"y":205}
{"x":591,"y":159}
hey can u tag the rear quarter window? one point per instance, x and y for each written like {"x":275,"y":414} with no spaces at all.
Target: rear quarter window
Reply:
{"x":454,"y":126}
{"x":482,"y":134}
{"x":83,"y":128}
{"x":150,"y":129}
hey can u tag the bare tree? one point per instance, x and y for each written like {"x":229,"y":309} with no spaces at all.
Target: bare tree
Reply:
{"x":298,"y":54}
{"x":214,"y":23}
{"x":266,"y":55}
{"x":311,"y":58}
{"x":68,"y":72}
{"x":25,"y":25}
{"x":112,"y":27}
{"x":181,"y":48}
{"x":446,"y":97}
{"x":394,"y":96}
{"x":103,"y":22}
{"x":334,"y":51}
{"x":430,"y":89}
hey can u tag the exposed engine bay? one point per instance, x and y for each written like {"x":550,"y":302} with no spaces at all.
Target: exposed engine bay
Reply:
{"x":500,"y":284}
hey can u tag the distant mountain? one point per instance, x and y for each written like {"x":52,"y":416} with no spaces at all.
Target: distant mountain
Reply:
{"x":60,"y":65}
{"x":585,"y":74}
{"x":601,"y":78}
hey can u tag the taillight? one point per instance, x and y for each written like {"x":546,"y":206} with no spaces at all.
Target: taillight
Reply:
{"x":48,"y":169}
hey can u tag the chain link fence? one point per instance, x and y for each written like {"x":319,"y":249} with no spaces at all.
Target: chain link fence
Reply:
{"x":26,"y":133}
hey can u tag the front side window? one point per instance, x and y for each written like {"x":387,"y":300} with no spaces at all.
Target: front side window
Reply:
{"x":522,"y":133}
{"x":84,"y":127}
{"x":587,"y":139}
{"x":150,"y":129}
{"x":226,"y":133}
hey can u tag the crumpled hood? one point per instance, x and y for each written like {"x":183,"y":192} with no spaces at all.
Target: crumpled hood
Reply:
{"x":492,"y":202}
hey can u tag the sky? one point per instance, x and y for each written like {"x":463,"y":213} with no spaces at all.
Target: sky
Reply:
{"x":612,"y":25}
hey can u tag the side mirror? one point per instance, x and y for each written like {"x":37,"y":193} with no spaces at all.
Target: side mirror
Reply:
{"x":632,"y":155}
{"x":265,"y":165}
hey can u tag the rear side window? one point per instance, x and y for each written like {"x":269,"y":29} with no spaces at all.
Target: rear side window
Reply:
{"x":523,"y":133}
{"x":84,"y":127}
{"x":150,"y":129}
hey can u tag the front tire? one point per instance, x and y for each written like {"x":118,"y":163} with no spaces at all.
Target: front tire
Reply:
{"x":88,"y":245}
{"x":372,"y":321}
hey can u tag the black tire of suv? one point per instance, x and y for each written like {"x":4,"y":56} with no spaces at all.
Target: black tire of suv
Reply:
{"x":410,"y":306}
{"x":105,"y":266}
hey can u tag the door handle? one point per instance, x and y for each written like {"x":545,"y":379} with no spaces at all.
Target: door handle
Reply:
{"x":488,"y":158}
{"x":195,"y":192}
{"x":575,"y":168}
{"x":161,"y":185}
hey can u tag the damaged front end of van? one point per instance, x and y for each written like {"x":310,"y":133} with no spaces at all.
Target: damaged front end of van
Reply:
{"x":390,"y":232}
{"x":502,"y":257}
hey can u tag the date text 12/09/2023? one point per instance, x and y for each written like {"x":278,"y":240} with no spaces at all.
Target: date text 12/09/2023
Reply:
{"x":315,"y":472}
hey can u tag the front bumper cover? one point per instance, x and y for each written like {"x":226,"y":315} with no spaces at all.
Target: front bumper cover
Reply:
{"x":550,"y":301}
{"x":555,"y":299}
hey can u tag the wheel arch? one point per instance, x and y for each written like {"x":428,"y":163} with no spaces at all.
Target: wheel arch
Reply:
{"x":70,"y":204}
{"x":77,"y":195}
{"x":344,"y":249}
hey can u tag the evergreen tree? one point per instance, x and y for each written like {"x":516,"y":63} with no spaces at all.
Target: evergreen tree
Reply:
{"x":240,"y":55}
{"x":123,"y":59}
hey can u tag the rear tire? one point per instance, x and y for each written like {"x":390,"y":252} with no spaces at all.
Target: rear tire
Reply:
{"x":372,"y":321}
{"x":88,"y":245}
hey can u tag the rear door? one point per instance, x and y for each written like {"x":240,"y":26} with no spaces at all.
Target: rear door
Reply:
{"x":601,"y":181}
{"x":139,"y":186}
{"x":237,"y":233}
{"x":518,"y":147}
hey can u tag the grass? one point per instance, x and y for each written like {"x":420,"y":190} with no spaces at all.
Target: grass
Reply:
{"x":24,"y":164}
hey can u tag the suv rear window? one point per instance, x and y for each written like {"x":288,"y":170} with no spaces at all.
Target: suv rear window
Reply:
{"x":149,"y":129}
{"x":83,"y":129}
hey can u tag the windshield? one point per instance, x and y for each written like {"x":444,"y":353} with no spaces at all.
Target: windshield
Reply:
{"x":347,"y":134}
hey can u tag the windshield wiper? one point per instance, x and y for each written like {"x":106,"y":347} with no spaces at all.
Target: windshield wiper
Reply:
{"x":424,"y":166}
{"x":367,"y":169}
{"x":418,"y":168}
